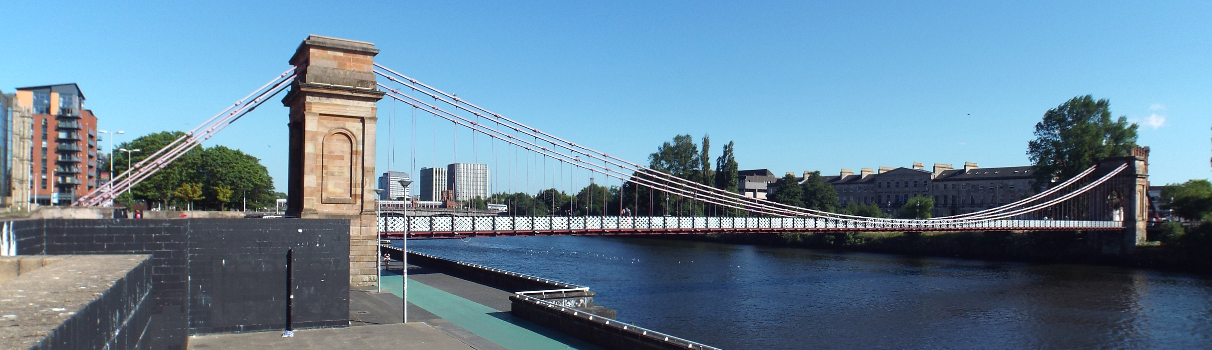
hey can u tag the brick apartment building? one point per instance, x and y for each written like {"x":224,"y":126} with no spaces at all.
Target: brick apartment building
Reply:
{"x":64,"y":152}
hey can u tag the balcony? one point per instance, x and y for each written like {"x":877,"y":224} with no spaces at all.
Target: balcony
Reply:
{"x":67,"y":169}
{"x":67,"y":147}
{"x":67,"y":180}
{"x":68,"y":159}
{"x":68,"y":112}
{"x":66,"y":124}
{"x":63,"y":135}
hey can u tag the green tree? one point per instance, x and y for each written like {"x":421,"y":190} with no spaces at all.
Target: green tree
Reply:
{"x":589,"y":201}
{"x":223,"y":195}
{"x":551,"y":202}
{"x":819,"y":195}
{"x":918,"y":207}
{"x":212,"y":167}
{"x":1075,"y":136}
{"x":517,"y":204}
{"x":189,"y":192}
{"x":1190,"y":200}
{"x":478,"y":203}
{"x":636,"y":196}
{"x":789,"y":191}
{"x":240,"y":172}
{"x":726,"y":170}
{"x":705,"y":161}
{"x":680,"y":158}
{"x":160,"y":186}
{"x":870,"y":210}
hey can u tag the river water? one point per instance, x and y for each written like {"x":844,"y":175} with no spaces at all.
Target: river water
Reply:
{"x":753,"y":297}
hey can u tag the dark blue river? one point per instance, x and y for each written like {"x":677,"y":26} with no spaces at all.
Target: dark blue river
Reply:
{"x":751,"y":297}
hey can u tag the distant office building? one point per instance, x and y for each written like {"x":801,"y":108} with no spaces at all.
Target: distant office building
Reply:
{"x":468,"y":180}
{"x":755,"y":183}
{"x":64,"y":143}
{"x":433,"y":182}
{"x":389,"y":182}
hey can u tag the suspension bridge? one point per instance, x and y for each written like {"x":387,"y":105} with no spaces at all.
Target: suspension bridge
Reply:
{"x":334,"y":87}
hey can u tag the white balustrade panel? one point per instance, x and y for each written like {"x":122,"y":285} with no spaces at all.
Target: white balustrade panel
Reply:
{"x":658,"y":224}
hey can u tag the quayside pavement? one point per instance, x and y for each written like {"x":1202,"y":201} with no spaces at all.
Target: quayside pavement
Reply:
{"x":444,"y":312}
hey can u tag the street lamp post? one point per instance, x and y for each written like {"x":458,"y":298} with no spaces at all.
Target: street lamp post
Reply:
{"x":404,"y":254}
{"x":128,"y":153}
{"x":111,"y":137}
{"x":378,"y":242}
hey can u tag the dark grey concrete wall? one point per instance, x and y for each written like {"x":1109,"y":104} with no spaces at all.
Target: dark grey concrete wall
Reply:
{"x":218,"y":275}
{"x":30,"y":240}
{"x":237,"y":271}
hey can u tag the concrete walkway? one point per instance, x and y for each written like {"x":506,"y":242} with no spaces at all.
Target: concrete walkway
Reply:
{"x":466,"y":304}
{"x":411,"y":336}
{"x":444,"y":312}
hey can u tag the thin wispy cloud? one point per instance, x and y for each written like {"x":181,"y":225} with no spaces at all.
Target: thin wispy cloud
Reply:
{"x":1156,"y":119}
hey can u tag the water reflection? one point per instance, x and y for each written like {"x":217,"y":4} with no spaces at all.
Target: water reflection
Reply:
{"x":738,"y":297}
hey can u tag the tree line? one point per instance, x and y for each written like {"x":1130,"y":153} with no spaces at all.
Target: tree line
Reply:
{"x":204,"y":178}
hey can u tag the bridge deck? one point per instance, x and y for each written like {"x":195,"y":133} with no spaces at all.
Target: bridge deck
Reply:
{"x":439,"y":226}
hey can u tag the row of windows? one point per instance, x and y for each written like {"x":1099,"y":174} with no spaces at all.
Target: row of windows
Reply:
{"x":972,"y":186}
{"x":945,"y":200}
{"x":897,"y":184}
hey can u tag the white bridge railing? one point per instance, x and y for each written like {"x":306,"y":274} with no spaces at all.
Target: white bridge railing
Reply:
{"x":460,"y":225}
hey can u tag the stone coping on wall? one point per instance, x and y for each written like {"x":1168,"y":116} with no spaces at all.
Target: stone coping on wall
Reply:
{"x":13,"y":266}
{"x":605,"y":332}
{"x":37,"y":303}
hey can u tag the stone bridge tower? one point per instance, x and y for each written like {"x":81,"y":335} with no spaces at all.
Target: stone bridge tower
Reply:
{"x":332,"y":143}
{"x":1133,"y":184}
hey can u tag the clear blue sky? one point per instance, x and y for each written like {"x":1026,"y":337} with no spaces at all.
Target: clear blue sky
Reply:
{"x":797,"y":85}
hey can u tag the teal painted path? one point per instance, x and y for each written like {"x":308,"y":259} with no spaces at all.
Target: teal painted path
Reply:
{"x":495,"y":325}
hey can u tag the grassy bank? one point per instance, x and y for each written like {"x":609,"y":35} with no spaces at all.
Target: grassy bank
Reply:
{"x":1190,"y":252}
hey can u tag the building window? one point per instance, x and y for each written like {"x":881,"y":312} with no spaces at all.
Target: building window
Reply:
{"x":42,"y":104}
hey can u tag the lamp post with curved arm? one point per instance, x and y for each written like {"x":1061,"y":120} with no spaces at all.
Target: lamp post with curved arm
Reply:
{"x":128,"y":153}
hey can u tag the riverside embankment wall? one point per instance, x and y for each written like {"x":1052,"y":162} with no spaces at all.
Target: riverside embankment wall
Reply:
{"x":215,"y":275}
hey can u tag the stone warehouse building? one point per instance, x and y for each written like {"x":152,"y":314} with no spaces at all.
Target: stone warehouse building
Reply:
{"x":954,"y":191}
